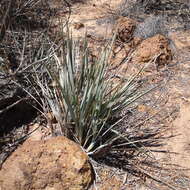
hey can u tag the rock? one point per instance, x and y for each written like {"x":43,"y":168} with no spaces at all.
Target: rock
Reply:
{"x":56,"y":164}
{"x":78,"y":25}
{"x":126,"y":27}
{"x":156,"y":47}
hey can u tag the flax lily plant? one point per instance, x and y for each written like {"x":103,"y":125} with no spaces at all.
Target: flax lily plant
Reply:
{"x":83,"y":98}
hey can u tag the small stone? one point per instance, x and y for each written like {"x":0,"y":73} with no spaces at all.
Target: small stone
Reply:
{"x":78,"y":25}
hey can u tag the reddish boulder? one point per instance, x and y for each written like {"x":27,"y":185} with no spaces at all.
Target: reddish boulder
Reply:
{"x":156,"y":48}
{"x":56,"y":164}
{"x":125,"y":29}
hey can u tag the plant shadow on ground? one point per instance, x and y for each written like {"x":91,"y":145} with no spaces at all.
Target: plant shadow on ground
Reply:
{"x":138,"y":158}
{"x":139,"y":161}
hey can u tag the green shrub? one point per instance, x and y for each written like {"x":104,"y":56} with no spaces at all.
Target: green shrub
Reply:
{"x":84,"y":98}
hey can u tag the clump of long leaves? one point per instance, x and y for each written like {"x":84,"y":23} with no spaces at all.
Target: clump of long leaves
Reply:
{"x":84,"y":99}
